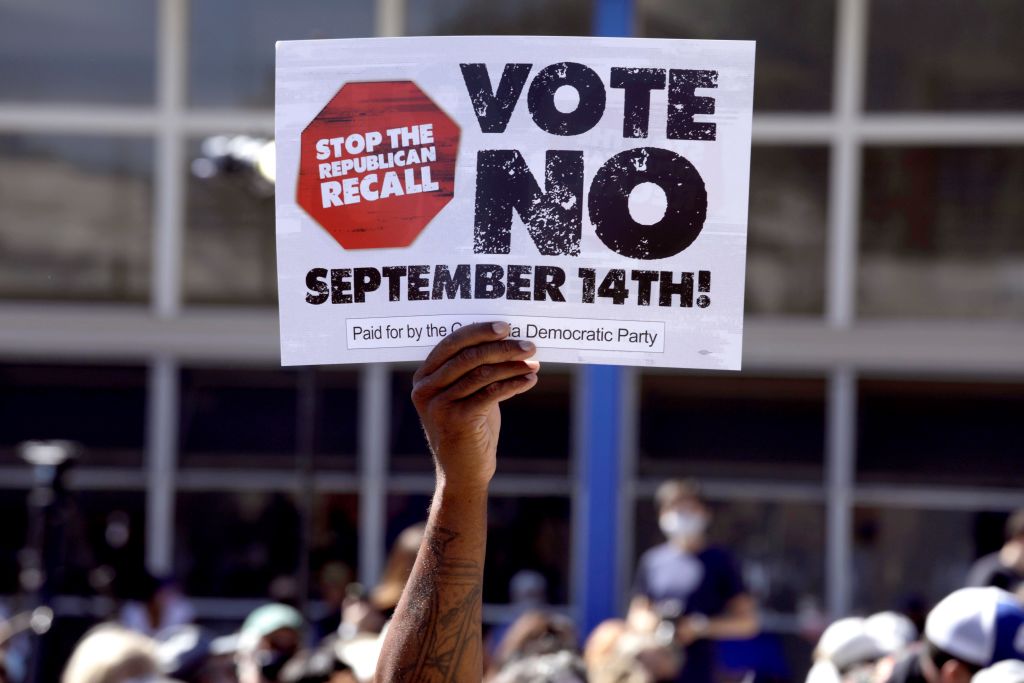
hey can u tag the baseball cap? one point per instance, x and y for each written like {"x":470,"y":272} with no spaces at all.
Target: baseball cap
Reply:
{"x":847,"y":642}
{"x":264,"y":620}
{"x":891,"y":630}
{"x":979,"y":626}
{"x":1006,"y":671}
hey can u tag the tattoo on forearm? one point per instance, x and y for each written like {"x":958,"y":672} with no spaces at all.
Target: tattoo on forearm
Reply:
{"x":448,"y":629}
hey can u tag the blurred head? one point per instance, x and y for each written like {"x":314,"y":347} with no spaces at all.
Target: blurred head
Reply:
{"x":558,"y":667}
{"x":601,"y":644}
{"x":528,"y":588}
{"x":1015,"y":527}
{"x":318,"y":666}
{"x":111,"y":654}
{"x":335,"y":578}
{"x":850,"y":648}
{"x":402,"y":557}
{"x":536,"y":633}
{"x":892,"y":631}
{"x":615,"y":654}
{"x":1007,"y":671}
{"x":1012,"y":554}
{"x":970,"y":629}
{"x":682,"y":513}
{"x":270,"y":636}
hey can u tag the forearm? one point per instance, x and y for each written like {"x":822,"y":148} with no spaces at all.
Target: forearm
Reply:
{"x":435,"y":636}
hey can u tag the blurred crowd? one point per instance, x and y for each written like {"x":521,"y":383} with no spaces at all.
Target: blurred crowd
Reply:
{"x":689,"y":603}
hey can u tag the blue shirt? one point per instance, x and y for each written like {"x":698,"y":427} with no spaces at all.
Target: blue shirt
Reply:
{"x":677,"y":583}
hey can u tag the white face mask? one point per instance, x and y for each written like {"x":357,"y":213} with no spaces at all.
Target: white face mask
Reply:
{"x":679,"y":526}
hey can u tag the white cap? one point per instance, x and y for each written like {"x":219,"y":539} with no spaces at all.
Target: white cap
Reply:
{"x":891,"y":630}
{"x":847,"y":642}
{"x":823,"y":671}
{"x":1006,"y":671}
{"x":979,"y":626}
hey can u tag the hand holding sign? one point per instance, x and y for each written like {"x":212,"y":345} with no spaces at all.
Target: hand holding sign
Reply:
{"x":456,"y":392}
{"x":592,"y":192}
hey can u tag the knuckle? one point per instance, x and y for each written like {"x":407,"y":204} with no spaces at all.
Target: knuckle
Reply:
{"x":418,"y":393}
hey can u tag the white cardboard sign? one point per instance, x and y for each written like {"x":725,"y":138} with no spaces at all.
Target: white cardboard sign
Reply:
{"x":590,"y":191}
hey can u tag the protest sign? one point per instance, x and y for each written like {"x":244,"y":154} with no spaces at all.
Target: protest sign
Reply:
{"x":590,"y":191}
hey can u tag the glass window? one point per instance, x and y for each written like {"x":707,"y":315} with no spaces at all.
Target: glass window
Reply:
{"x":959,"y":55}
{"x":230,"y":253}
{"x":794,"y":42}
{"x":101,"y":407}
{"x":102,"y":51}
{"x":233,"y":417}
{"x":75,"y":216}
{"x":908,"y":560}
{"x":786,"y":241}
{"x":480,"y":17}
{"x":231,"y":52}
{"x":688,"y":426}
{"x":546,"y":410}
{"x":105,"y":541}
{"x":524,"y":532}
{"x":940,"y":233}
{"x":337,"y":418}
{"x":940,"y":432}
{"x":232,"y":544}
{"x":98,"y":543}
{"x":238,"y":417}
{"x":334,"y":543}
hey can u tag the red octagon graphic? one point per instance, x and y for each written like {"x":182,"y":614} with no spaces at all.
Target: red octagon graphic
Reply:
{"x":377,"y":164}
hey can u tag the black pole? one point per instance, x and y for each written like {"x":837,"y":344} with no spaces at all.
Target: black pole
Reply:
{"x":41,"y":559}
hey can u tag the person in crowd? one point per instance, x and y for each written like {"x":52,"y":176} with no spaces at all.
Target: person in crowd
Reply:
{"x":527,"y":592}
{"x":284,"y":589}
{"x":689,"y":587}
{"x":601,"y":644}
{"x":968,"y":630}
{"x":220,"y":665}
{"x":616,"y":654}
{"x":317,"y":666}
{"x":158,"y":604}
{"x":335,"y":580}
{"x":182,"y":652}
{"x":849,"y":649}
{"x":535,"y":633}
{"x":1006,"y":671}
{"x":893,"y":631}
{"x":436,"y":631}
{"x":270,"y":636}
{"x":190,"y":654}
{"x":384,"y":596}
{"x":556,"y":667}
{"x":1005,"y":567}
{"x":110,"y":653}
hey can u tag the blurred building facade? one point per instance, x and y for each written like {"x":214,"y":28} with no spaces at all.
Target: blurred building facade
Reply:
{"x":866,"y":454}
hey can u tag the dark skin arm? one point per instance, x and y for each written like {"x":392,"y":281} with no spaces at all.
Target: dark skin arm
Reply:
{"x":435,"y":636}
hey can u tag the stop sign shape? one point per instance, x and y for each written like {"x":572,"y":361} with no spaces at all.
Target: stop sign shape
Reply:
{"x":377,"y":164}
